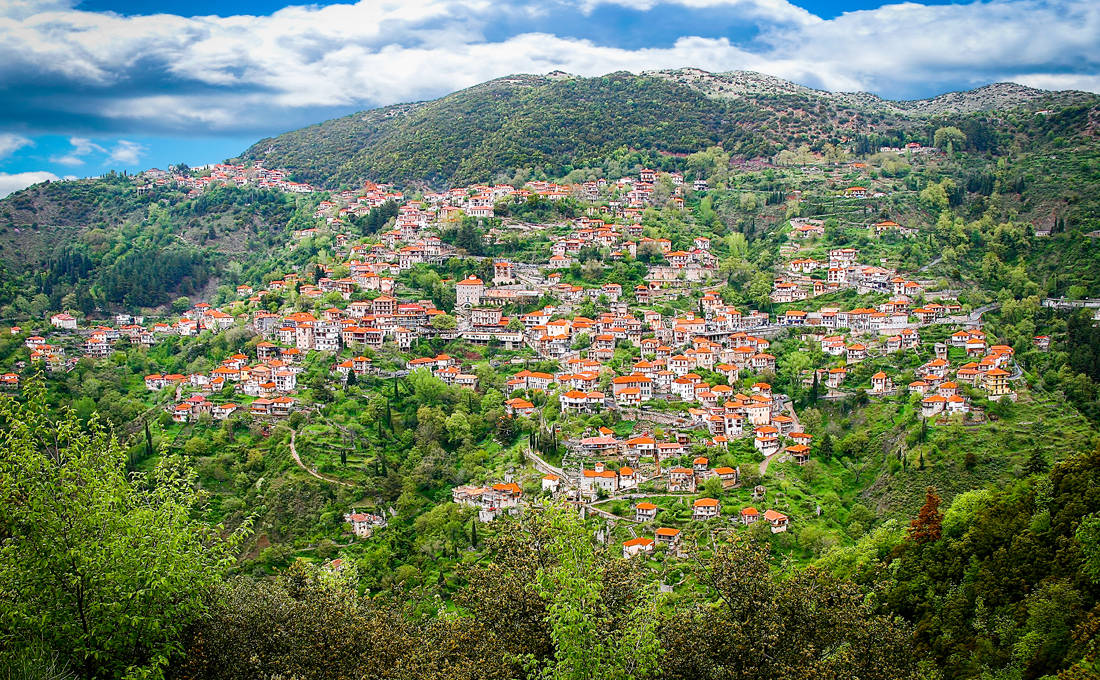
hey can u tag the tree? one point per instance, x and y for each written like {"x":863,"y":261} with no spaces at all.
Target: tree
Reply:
{"x":928,"y":525}
{"x":825,"y":450}
{"x":443,"y":322}
{"x":712,"y":487}
{"x":948,"y":138}
{"x":1088,"y":538}
{"x":351,"y":379}
{"x":1036,"y":462}
{"x":807,"y":625}
{"x":591,"y":640}
{"x":109,"y":568}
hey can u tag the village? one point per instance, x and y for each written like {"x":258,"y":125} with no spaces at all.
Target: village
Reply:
{"x":689,"y":374}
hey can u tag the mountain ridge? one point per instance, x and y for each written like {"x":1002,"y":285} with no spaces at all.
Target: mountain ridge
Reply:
{"x":992,"y":96}
{"x":557,"y":122}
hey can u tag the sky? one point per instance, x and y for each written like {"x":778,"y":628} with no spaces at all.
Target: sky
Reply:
{"x":96,"y":85}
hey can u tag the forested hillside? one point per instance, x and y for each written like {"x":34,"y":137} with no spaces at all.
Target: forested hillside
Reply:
{"x":490,"y":131}
{"x":104,"y":244}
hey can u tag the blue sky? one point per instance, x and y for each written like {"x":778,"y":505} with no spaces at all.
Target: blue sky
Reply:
{"x":98,"y":85}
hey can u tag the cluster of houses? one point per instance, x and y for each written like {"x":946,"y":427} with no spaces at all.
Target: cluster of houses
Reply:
{"x":806,"y":277}
{"x":362,"y":308}
{"x":199,"y":180}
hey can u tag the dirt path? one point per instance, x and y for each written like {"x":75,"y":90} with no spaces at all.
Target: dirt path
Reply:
{"x":311,"y":472}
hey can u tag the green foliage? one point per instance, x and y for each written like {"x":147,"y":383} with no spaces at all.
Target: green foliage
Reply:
{"x":1008,"y":588}
{"x":107,"y":568}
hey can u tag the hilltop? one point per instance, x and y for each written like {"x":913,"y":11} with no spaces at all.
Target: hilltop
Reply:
{"x":557,"y":122}
{"x":992,"y":97}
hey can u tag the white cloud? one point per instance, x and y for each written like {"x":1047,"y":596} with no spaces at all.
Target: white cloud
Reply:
{"x":1057,"y":81}
{"x":82,"y":146}
{"x":247,"y":72}
{"x":10,"y":143}
{"x":126,"y":152}
{"x":22,"y":180}
{"x":778,"y":11}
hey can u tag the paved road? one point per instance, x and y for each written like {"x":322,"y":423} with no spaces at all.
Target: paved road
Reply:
{"x":542,"y":466}
{"x":931,"y":264}
{"x":975,"y":316}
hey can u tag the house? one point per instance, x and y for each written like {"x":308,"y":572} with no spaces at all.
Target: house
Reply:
{"x":520,"y":407}
{"x":599,"y":479}
{"x":800,"y":453}
{"x":363,"y":524}
{"x":632,"y":389}
{"x":63,"y":321}
{"x":705,"y":508}
{"x":778,"y":520}
{"x":932,"y":405}
{"x":881,"y":383}
{"x":223,"y":411}
{"x":550,"y":483}
{"x":728,"y":475}
{"x":637,"y":546}
{"x":667,"y":536}
{"x":681,"y":479}
{"x":469,"y":291}
{"x":645,"y":511}
{"x":996,"y":383}
{"x":749,"y":515}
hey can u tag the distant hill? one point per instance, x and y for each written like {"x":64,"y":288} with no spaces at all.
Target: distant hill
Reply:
{"x":559,"y":121}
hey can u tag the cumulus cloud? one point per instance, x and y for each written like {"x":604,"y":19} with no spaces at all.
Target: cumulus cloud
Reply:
{"x":126,"y":152}
{"x":22,"y":180}
{"x":82,"y":146}
{"x":10,"y":143}
{"x":164,"y":73}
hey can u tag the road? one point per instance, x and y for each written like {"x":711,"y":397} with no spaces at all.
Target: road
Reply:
{"x":975,"y":316}
{"x":767,"y":460}
{"x":311,"y":472}
{"x":931,"y":264}
{"x":542,"y":466}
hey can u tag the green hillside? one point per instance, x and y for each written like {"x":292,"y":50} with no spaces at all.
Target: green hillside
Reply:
{"x":487,"y":132}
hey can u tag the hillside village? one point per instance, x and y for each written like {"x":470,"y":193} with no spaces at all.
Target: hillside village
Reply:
{"x":690,"y":382}
{"x":546,"y":376}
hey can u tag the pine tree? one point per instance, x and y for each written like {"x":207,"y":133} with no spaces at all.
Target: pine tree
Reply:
{"x":473,"y":532}
{"x":825,"y":451}
{"x":351,"y":379}
{"x":1036,"y":462}
{"x":148,"y":441}
{"x":928,"y":525}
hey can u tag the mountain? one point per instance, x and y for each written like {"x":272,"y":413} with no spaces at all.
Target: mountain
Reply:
{"x":558,"y":122}
{"x":993,"y":97}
